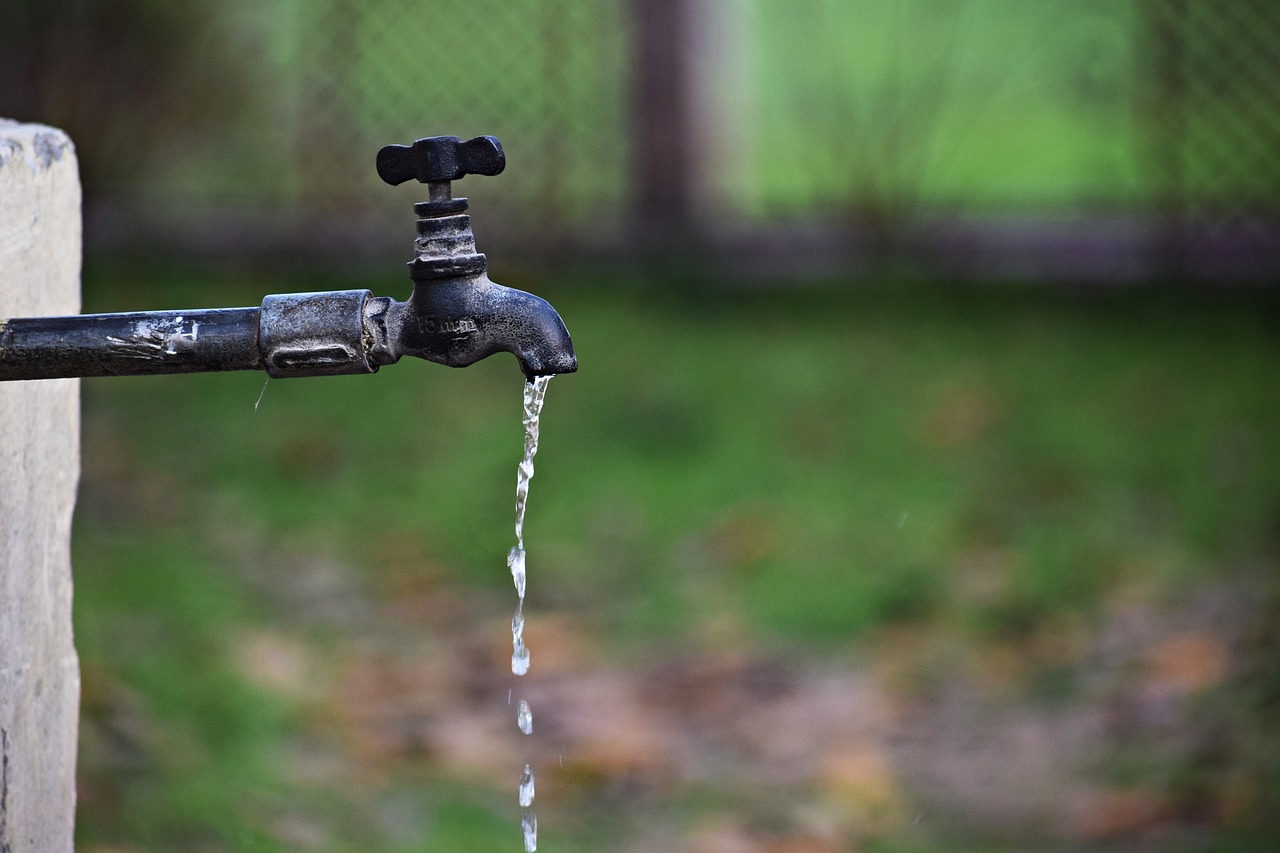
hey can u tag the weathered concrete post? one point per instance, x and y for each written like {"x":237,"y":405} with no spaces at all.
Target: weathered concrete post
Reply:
{"x":39,"y":468}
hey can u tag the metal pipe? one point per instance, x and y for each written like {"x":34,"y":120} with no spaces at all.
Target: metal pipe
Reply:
{"x":131,"y":344}
{"x":456,"y":315}
{"x":453,"y":320}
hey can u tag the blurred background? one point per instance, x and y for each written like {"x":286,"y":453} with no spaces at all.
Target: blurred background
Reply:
{"x":920,"y":488}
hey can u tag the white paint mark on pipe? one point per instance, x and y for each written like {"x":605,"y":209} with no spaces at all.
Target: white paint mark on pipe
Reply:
{"x":178,"y":338}
{"x":157,"y":338}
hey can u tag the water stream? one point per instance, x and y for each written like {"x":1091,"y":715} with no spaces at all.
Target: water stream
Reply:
{"x":535,"y":393}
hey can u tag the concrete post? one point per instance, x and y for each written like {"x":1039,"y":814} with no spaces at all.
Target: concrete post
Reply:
{"x":39,"y":468}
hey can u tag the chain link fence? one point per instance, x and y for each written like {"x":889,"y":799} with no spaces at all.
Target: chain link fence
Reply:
{"x":1215,"y":99}
{"x":1109,"y":138}
{"x":547,"y":77}
{"x":1092,"y":138}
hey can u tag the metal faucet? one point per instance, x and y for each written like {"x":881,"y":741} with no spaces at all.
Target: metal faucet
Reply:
{"x":456,"y":315}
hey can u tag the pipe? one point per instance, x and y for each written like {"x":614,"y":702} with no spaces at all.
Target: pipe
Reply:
{"x":129,"y":344}
{"x":456,"y":315}
{"x":454,"y":321}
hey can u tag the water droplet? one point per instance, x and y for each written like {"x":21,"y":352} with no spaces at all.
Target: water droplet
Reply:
{"x":524,"y":717}
{"x":515,"y":562}
{"x":529,"y":824}
{"x":526,"y":787}
{"x":520,"y":660}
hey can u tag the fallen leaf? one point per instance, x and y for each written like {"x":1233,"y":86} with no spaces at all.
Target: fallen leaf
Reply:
{"x":962,"y":415}
{"x":860,"y":785}
{"x":276,"y":663}
{"x":1187,"y":663}
{"x":1121,"y":812}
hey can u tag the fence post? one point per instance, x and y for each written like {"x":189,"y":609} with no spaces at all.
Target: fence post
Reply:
{"x":1164,"y":30}
{"x":662,"y":147}
{"x":39,"y":468}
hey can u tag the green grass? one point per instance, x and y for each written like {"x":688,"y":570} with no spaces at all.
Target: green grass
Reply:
{"x":813,"y":465}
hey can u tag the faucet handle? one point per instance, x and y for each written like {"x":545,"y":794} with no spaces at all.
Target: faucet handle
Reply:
{"x":440,"y":158}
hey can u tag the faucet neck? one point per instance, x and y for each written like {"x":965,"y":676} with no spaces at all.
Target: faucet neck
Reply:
{"x":445,"y":246}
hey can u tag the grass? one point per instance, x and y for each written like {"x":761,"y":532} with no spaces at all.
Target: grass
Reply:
{"x":814,"y":466}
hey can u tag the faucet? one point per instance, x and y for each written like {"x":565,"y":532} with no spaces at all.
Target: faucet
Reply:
{"x":455,"y":316}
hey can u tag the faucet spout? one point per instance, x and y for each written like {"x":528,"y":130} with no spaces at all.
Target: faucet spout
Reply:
{"x":457,"y":321}
{"x":457,"y":315}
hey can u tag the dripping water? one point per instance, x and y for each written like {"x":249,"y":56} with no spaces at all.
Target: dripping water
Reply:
{"x":524,"y":718}
{"x":535,"y":393}
{"x":526,"y":787}
{"x":529,"y":824}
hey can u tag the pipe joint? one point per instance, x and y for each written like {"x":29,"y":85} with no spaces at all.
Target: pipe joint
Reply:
{"x":316,"y":334}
